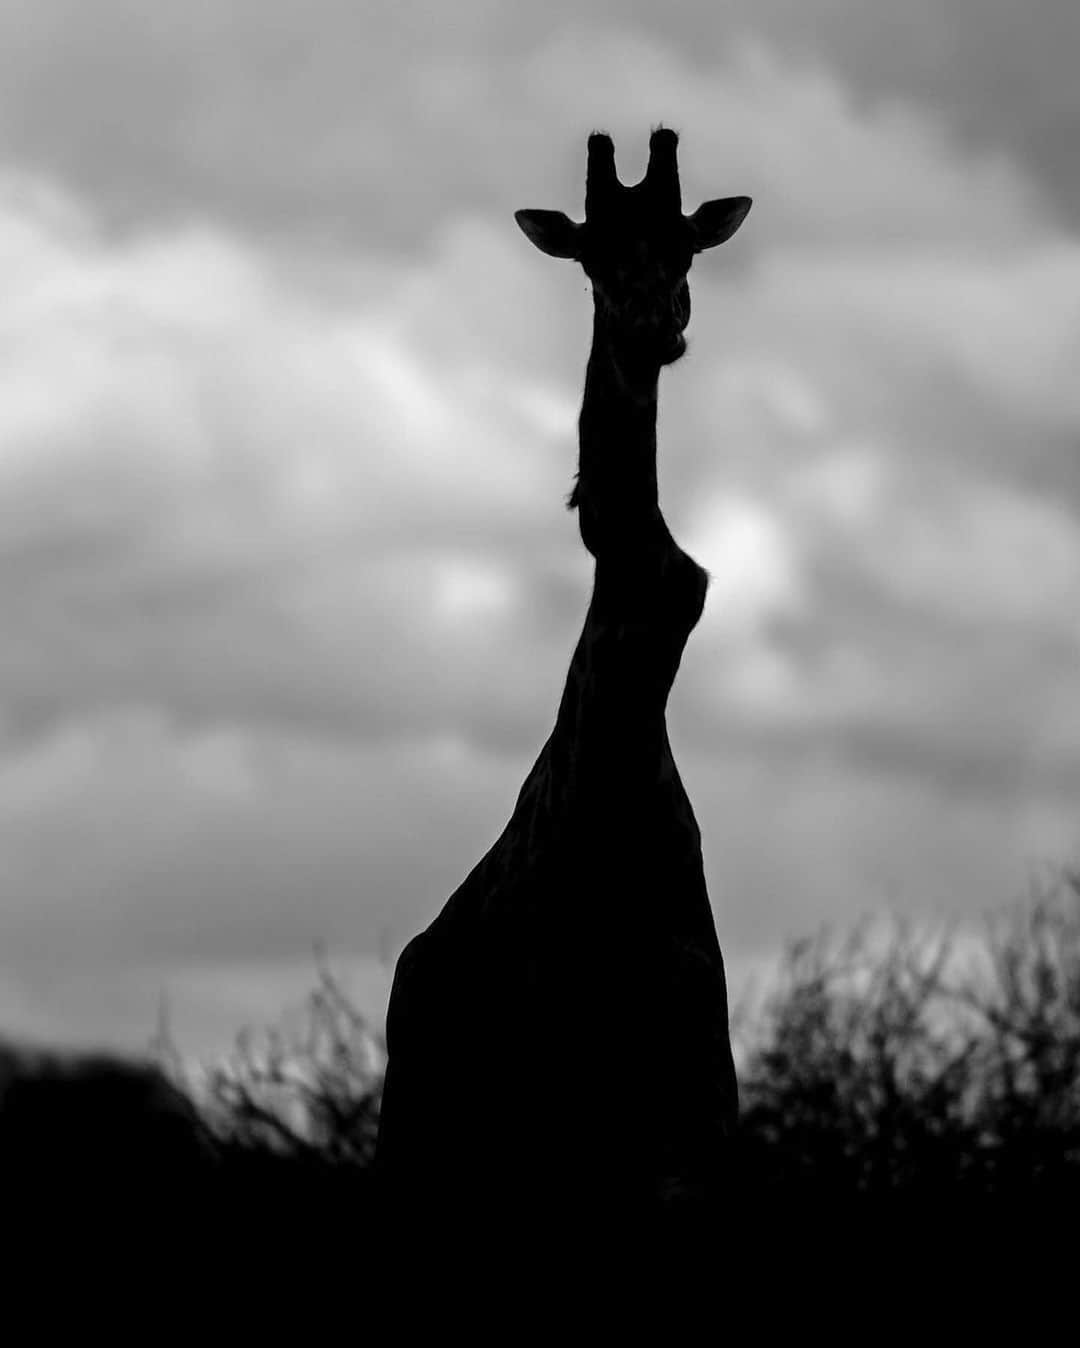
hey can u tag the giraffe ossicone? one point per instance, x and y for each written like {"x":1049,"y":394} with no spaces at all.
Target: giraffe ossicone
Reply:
{"x":559,"y":1054}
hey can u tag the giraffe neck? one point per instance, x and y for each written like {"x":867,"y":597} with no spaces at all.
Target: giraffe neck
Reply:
{"x":610,"y":739}
{"x":616,"y":489}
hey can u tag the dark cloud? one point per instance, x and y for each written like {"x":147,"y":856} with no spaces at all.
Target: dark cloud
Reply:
{"x":370,"y":124}
{"x":997,"y":73}
{"x":325,"y":115}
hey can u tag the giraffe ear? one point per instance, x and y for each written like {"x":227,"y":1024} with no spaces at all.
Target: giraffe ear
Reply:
{"x":715,"y":221}
{"x":551,"y":231}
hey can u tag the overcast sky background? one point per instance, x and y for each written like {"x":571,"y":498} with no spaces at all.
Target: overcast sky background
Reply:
{"x":287,"y":417}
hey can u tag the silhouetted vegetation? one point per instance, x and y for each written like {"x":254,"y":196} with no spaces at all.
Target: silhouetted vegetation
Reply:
{"x":293,"y":1112}
{"x":309,"y":1095}
{"x":923,"y":1065}
{"x":884,"y":1063}
{"x":890,"y":1072}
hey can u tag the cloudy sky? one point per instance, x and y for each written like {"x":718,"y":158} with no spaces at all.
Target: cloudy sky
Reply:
{"x":287,"y":416}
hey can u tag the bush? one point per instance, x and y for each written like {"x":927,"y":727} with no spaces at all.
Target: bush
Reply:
{"x":915,"y":1066}
{"x":311,"y":1095}
{"x":904,"y":1097}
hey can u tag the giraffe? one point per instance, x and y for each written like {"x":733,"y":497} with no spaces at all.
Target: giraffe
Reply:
{"x":558,"y":1045}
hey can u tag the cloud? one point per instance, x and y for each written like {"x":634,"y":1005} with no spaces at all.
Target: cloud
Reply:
{"x":999,"y":78}
{"x":130,"y":841}
{"x":286,"y":587}
{"x":215,"y":485}
{"x":793,"y":844}
{"x":1005,"y":320}
{"x":823,"y":173}
{"x":226,"y":467}
{"x":360,"y":128}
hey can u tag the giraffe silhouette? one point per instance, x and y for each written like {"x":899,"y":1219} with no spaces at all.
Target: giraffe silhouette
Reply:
{"x":558,"y":1045}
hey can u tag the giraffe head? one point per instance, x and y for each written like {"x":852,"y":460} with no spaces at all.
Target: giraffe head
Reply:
{"x":636,"y":247}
